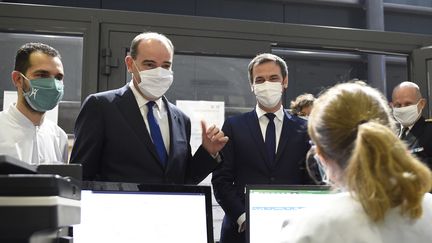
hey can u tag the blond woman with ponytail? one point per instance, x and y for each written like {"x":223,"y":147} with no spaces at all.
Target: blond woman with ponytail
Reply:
{"x":384,"y":189}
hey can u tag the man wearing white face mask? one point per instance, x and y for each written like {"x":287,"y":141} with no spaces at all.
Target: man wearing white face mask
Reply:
{"x":415,"y":130}
{"x":267,"y":145}
{"x":134,"y":134}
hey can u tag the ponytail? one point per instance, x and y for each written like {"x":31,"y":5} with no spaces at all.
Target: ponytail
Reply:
{"x":381,"y":174}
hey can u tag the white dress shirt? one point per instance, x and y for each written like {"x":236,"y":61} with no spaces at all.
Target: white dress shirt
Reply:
{"x":159,"y":111}
{"x":263,"y":122}
{"x":19,"y":138}
{"x":407,"y":131}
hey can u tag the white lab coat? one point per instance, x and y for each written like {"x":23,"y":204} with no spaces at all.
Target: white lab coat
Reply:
{"x":21,"y":139}
{"x":343,"y":220}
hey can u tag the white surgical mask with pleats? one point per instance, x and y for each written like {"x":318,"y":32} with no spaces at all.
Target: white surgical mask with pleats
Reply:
{"x":268,"y":93}
{"x":155,"y":82}
{"x":407,"y":115}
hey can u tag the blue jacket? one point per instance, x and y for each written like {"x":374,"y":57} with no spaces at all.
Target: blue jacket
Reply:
{"x":245,"y":160}
{"x":113,"y":144}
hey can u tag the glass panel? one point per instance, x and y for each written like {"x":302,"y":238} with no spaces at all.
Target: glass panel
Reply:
{"x":397,"y":72}
{"x":425,"y":3}
{"x":312,"y":71}
{"x":214,"y":79}
{"x":226,"y":79}
{"x":71,"y":51}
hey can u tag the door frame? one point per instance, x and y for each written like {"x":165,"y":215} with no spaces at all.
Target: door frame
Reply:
{"x":421,"y":74}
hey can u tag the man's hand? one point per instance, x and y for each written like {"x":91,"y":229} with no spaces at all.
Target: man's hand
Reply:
{"x":213,"y":139}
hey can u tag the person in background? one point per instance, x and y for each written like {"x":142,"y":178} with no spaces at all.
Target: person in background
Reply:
{"x":302,"y":105}
{"x":134,"y":134}
{"x":415,"y":130}
{"x":25,"y":133}
{"x":314,"y":168}
{"x":267,"y":146}
{"x":384,"y":189}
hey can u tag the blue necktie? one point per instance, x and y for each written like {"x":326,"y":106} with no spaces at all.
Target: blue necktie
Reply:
{"x":270,"y":137}
{"x":156,"y":134}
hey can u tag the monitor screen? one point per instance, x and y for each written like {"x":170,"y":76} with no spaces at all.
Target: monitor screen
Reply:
{"x":268,"y":206}
{"x":149,"y":214}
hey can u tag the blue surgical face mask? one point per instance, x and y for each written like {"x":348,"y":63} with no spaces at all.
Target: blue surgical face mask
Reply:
{"x":44,"y":93}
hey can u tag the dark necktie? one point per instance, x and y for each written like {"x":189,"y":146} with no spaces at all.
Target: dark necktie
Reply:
{"x":404,"y":133}
{"x":156,"y":134}
{"x":270,"y":137}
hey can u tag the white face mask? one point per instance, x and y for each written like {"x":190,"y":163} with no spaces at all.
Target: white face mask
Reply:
{"x":268,"y":93}
{"x":407,"y":115}
{"x":155,"y":82}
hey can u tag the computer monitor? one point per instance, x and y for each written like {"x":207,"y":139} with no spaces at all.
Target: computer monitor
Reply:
{"x":144,"y":213}
{"x":11,"y":165}
{"x":268,"y":206}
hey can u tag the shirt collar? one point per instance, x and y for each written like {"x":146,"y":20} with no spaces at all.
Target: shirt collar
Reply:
{"x":140,"y":99}
{"x":279,"y":113}
{"x":20,"y":118}
{"x":409,"y":127}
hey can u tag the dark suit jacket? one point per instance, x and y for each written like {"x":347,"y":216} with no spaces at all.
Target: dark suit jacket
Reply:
{"x":246,"y":161}
{"x":113,"y":144}
{"x":419,"y":140}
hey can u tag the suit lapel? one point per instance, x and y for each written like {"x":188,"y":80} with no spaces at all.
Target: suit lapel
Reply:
{"x":255,"y":130}
{"x":174,"y":127}
{"x":285,"y":134}
{"x":416,"y":132}
{"x":128,"y":107}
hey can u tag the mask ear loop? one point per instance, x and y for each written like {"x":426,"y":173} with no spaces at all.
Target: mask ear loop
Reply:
{"x":417,"y":105}
{"x":314,"y":167}
{"x":136,"y":66}
{"x":22,"y":75}
{"x":252,"y":86}
{"x":322,"y":170}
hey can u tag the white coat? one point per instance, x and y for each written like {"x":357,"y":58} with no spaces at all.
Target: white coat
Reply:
{"x":343,"y":220}
{"x":21,"y":139}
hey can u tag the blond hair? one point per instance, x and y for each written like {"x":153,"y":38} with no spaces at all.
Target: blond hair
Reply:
{"x":351,"y":125}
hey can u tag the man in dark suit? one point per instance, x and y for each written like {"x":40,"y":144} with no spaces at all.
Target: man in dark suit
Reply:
{"x":134,"y":134}
{"x":267,"y":146}
{"x":415,"y":130}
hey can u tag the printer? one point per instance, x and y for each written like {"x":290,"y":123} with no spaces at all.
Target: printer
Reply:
{"x":35,"y":207}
